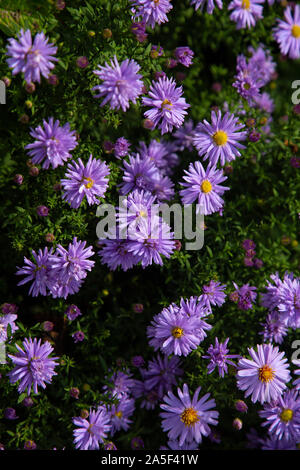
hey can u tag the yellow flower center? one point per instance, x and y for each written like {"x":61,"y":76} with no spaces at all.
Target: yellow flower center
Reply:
{"x":189,"y":417}
{"x":119,"y":414}
{"x":206,"y":186}
{"x":156,"y":2}
{"x":89,"y":429}
{"x":286,"y":415}
{"x":265,"y":374}
{"x":177,"y":332}
{"x":90,"y":183}
{"x":220,"y":137}
{"x":296,"y":31}
{"x":143,"y":214}
{"x":246,"y":4}
{"x":166,"y":103}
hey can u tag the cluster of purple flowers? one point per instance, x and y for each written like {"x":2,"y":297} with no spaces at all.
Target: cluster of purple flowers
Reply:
{"x":282,"y":299}
{"x":253,"y":74}
{"x":58,"y":274}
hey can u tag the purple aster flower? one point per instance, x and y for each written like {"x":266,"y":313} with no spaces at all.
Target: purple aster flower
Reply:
{"x":204,"y":187}
{"x":213,"y":294}
{"x":167,"y":105}
{"x":261,"y":64}
{"x":38,"y":272}
{"x":82,"y":180}
{"x":121,"y":147}
{"x":5,"y":320}
{"x":156,"y":152}
{"x":161,"y":374}
{"x":183,"y":137}
{"x":152,"y":11}
{"x":264,"y":377}
{"x":194,"y":307}
{"x":264,"y":102}
{"x":110,"y":446}
{"x":121,"y":83}
{"x":120,"y":414}
{"x":136,"y":206}
{"x":72,"y":312}
{"x":287,"y":33}
{"x":220,"y":139}
{"x":138,"y":174}
{"x":34,"y":367}
{"x":152,"y":240}
{"x":274,"y":330}
{"x":53,"y":143}
{"x":89,"y":433}
{"x":188,"y":419}
{"x":31,"y":58}
{"x":246,"y":12}
{"x":120,"y":384}
{"x":283,"y":416}
{"x":184,"y":55}
{"x":273,"y":443}
{"x":78,"y":336}
{"x":218,"y":357}
{"x":289,"y":301}
{"x":246,"y":296}
{"x":162,"y":187}
{"x":73,"y":262}
{"x":246,"y":86}
{"x":174,"y":332}
{"x":156,"y":51}
{"x":209,"y":7}
{"x":139,"y":30}
{"x":115,"y":252}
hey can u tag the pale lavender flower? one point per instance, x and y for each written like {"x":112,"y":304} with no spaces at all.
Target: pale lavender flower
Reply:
{"x":152,"y":12}
{"x":39,"y":272}
{"x":213,"y":294}
{"x":31,"y":58}
{"x":220,"y":139}
{"x":246,"y":12}
{"x":264,"y":102}
{"x":265,"y":376}
{"x":52,"y":145}
{"x":188,"y":419}
{"x":161,"y":374}
{"x":273,"y":329}
{"x":296,"y":383}
{"x":120,"y":415}
{"x":120,"y":384}
{"x":287,"y":33}
{"x":138,"y":174}
{"x":167,"y":105}
{"x":283,"y":416}
{"x":183,"y":137}
{"x":34,"y":367}
{"x":89,"y":433}
{"x":85,"y":180}
{"x":204,"y":187}
{"x":121,"y":83}
{"x":115,"y":252}
{"x":121,"y":147}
